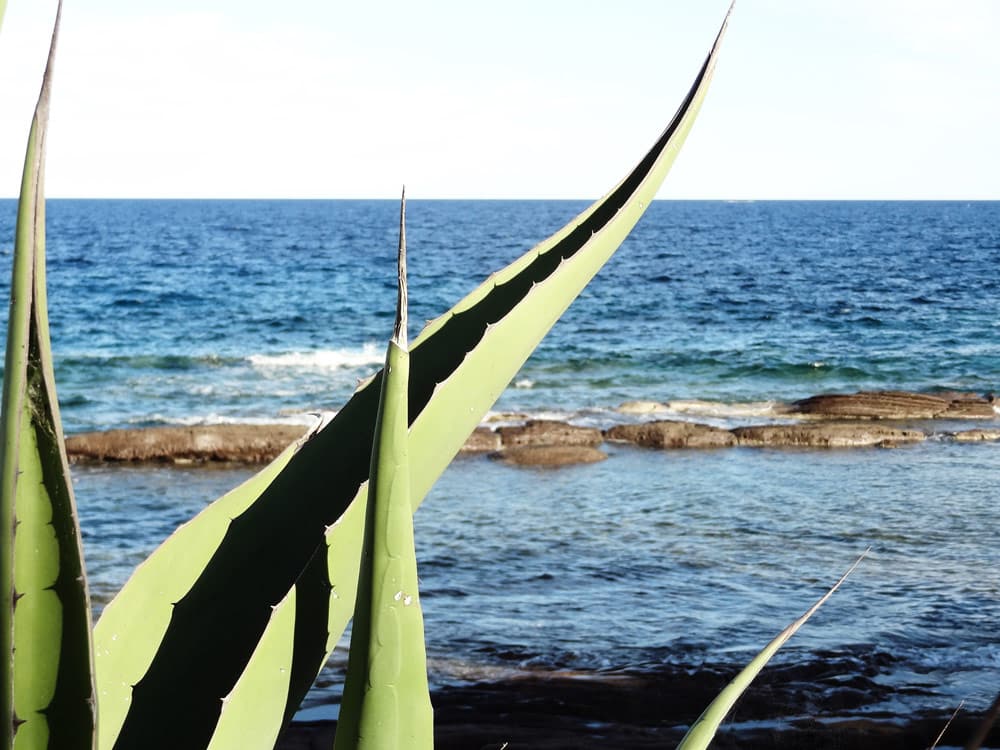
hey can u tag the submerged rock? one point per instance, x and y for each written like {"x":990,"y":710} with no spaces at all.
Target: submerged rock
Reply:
{"x":237,"y":443}
{"x":895,"y":405}
{"x":548,"y":432}
{"x":549,"y":455}
{"x":826,"y":435}
{"x":668,"y":433}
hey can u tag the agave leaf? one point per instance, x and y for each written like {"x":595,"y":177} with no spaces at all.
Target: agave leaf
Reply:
{"x":251,"y":714}
{"x":386,"y":701}
{"x":46,"y":685}
{"x":947,"y":724}
{"x":701,"y":733}
{"x":302,"y":526}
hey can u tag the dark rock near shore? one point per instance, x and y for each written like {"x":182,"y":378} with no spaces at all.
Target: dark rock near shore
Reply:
{"x":895,"y":405}
{"x":549,"y":432}
{"x":825,"y":435}
{"x":620,"y":710}
{"x":671,"y":434}
{"x":224,"y":443}
{"x":549,"y":455}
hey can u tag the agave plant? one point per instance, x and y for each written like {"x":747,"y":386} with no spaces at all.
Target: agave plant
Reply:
{"x":46,"y":683}
{"x":386,"y":701}
{"x":230,"y":620}
{"x":701,"y":733}
{"x":191,"y":616}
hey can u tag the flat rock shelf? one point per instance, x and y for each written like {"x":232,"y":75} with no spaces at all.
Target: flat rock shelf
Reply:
{"x":860,"y":420}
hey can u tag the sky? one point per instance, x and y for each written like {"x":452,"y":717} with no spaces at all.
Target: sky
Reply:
{"x":812,"y":99}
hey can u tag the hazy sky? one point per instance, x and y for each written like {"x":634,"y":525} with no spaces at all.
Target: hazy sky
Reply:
{"x":525,"y":98}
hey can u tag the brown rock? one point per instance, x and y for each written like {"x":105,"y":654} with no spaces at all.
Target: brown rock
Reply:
{"x":238,"y":443}
{"x":969,"y":409}
{"x":482,"y":440}
{"x":549,"y":455}
{"x":672,"y":434}
{"x":825,"y":435}
{"x":972,"y":436}
{"x":895,"y":405}
{"x":873,"y":405}
{"x":549,"y":432}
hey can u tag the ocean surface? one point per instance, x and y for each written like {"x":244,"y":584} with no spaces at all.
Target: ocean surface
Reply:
{"x":193,"y":312}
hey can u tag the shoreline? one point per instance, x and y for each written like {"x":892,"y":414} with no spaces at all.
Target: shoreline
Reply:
{"x":885,"y":419}
{"x":779,"y":711}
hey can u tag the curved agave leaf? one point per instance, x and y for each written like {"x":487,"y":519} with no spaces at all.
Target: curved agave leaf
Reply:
{"x":251,"y":714}
{"x":46,"y":687}
{"x":302,"y":526}
{"x":702,"y":732}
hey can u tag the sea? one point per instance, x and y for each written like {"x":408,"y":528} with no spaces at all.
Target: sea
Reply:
{"x":204,"y":312}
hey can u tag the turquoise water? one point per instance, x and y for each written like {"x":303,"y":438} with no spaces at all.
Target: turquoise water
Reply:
{"x":195,"y":312}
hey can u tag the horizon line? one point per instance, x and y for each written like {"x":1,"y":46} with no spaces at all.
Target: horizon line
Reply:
{"x":512,"y":199}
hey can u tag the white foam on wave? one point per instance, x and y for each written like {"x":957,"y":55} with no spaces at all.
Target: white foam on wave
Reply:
{"x":367,"y":355}
{"x":724,"y":409}
{"x":297,"y":418}
{"x":503,"y":418}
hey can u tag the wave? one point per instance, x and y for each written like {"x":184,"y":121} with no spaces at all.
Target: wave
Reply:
{"x":365,"y":355}
{"x":369,"y":354}
{"x":307,"y":419}
{"x":147,"y":361}
{"x":724,"y":410}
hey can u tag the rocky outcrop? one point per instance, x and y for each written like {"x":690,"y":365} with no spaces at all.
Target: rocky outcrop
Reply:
{"x":828,"y":421}
{"x":671,"y":434}
{"x":549,"y":455}
{"x":548,"y":432}
{"x":238,"y":443}
{"x":969,"y":408}
{"x":546,"y":442}
{"x":482,"y":440}
{"x":976,"y":436}
{"x":895,"y":405}
{"x":825,"y":435}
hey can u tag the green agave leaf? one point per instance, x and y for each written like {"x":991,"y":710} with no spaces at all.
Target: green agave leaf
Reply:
{"x":386,"y":701}
{"x":193,"y":613}
{"x":702,"y":732}
{"x":251,"y":714}
{"x":46,"y":686}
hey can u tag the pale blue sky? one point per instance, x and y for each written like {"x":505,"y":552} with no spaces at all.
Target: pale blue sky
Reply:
{"x":528,"y":98}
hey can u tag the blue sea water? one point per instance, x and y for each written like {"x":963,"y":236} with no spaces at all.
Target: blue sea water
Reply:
{"x":185,"y":312}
